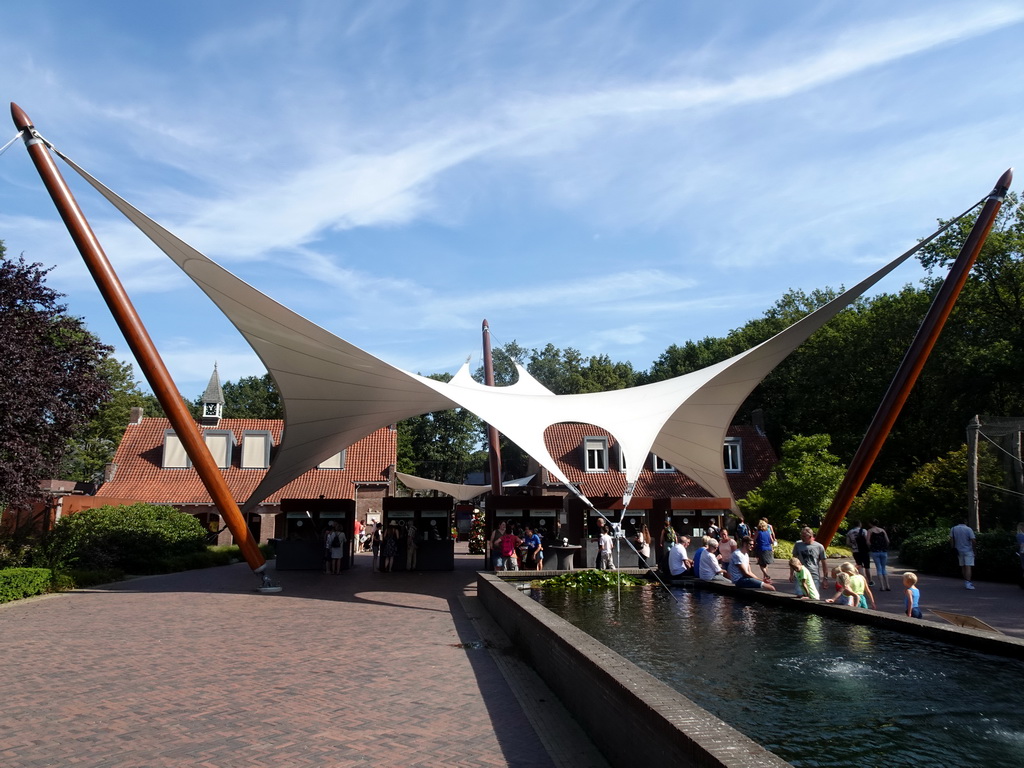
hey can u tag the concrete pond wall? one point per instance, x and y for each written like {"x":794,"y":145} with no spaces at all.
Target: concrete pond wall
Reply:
{"x":633,"y":717}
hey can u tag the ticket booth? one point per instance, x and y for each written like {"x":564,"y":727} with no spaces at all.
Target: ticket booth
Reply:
{"x":544,"y":514}
{"x":633,"y":521}
{"x":687,"y":517}
{"x":425,"y":523}
{"x":610,"y":508}
{"x":300,"y":530}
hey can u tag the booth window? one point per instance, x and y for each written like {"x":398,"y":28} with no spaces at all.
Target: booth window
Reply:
{"x":337,"y":461}
{"x":732,"y":455}
{"x":595,"y":451}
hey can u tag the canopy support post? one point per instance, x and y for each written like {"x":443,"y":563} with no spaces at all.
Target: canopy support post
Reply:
{"x":909,"y":370}
{"x":141,"y":344}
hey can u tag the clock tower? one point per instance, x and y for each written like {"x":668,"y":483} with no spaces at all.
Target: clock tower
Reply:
{"x":211,"y":404}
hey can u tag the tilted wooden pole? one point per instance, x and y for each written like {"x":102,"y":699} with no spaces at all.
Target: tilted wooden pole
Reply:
{"x":494,"y":452}
{"x":138,"y":339}
{"x":913,"y":362}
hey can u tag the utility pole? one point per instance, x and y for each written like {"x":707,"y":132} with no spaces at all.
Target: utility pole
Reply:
{"x":973,"y":428}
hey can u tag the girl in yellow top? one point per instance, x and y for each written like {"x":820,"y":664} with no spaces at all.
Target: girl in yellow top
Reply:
{"x":858,"y":587}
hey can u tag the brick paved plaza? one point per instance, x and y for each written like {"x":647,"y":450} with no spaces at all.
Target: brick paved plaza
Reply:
{"x":363,"y":668}
{"x":198,"y":669}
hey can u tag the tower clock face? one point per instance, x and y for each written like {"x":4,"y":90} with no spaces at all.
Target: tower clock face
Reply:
{"x":211,"y":409}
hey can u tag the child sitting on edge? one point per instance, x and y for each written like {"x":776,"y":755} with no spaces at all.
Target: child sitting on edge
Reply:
{"x":913,"y":595}
{"x":805,"y":586}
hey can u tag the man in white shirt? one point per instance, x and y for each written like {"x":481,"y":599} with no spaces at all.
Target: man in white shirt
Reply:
{"x":679,"y":565}
{"x":604,"y":550}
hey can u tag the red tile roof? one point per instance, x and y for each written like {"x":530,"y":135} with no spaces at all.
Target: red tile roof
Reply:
{"x":139,"y":474}
{"x":564,"y":442}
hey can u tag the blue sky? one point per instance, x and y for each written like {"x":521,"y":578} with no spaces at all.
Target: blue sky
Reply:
{"x":610,"y":176}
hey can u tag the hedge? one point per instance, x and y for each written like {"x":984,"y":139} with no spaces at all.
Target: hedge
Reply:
{"x":16,"y":583}
{"x":930,"y":551}
{"x":136,"y":539}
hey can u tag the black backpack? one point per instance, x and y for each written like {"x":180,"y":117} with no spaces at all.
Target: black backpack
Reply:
{"x":862,"y":541}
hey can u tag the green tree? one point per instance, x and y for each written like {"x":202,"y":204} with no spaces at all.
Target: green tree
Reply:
{"x":936,"y":494}
{"x":252,"y":397}
{"x":439,"y":445}
{"x":94,"y":448}
{"x":877,"y":502}
{"x":52,"y":381}
{"x":800,"y":488}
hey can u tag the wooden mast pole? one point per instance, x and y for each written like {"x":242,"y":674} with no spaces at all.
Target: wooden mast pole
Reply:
{"x":138,"y":339}
{"x":494,"y":452}
{"x":909,"y":370}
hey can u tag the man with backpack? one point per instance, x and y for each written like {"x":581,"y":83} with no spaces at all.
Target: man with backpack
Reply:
{"x":334,"y":547}
{"x":857,"y":541}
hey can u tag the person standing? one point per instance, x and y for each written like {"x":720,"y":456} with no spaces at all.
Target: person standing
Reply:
{"x":1020,"y":551}
{"x":497,"y":561}
{"x":764,"y":547}
{"x":375,"y":541}
{"x":604,"y":549}
{"x":508,"y":546}
{"x":963,"y":540}
{"x":878,"y":545}
{"x":410,"y":547}
{"x":534,"y":550}
{"x":335,"y":545}
{"x":642,"y":543}
{"x":739,"y":568}
{"x":812,"y":555}
{"x":666,"y":539}
{"x":857,"y":539}
{"x":389,"y":548}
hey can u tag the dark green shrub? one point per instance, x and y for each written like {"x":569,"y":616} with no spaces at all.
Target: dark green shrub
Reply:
{"x":16,"y":583}
{"x":131,"y":538}
{"x":80,"y":579}
{"x":930,"y":551}
{"x":16,"y":547}
{"x":62,"y":582}
{"x":590,"y":579}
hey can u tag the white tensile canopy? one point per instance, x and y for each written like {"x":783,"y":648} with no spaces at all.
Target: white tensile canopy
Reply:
{"x":335,"y":393}
{"x":458,"y":491}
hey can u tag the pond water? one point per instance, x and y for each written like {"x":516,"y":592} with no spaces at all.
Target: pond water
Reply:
{"x":815,"y":692}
